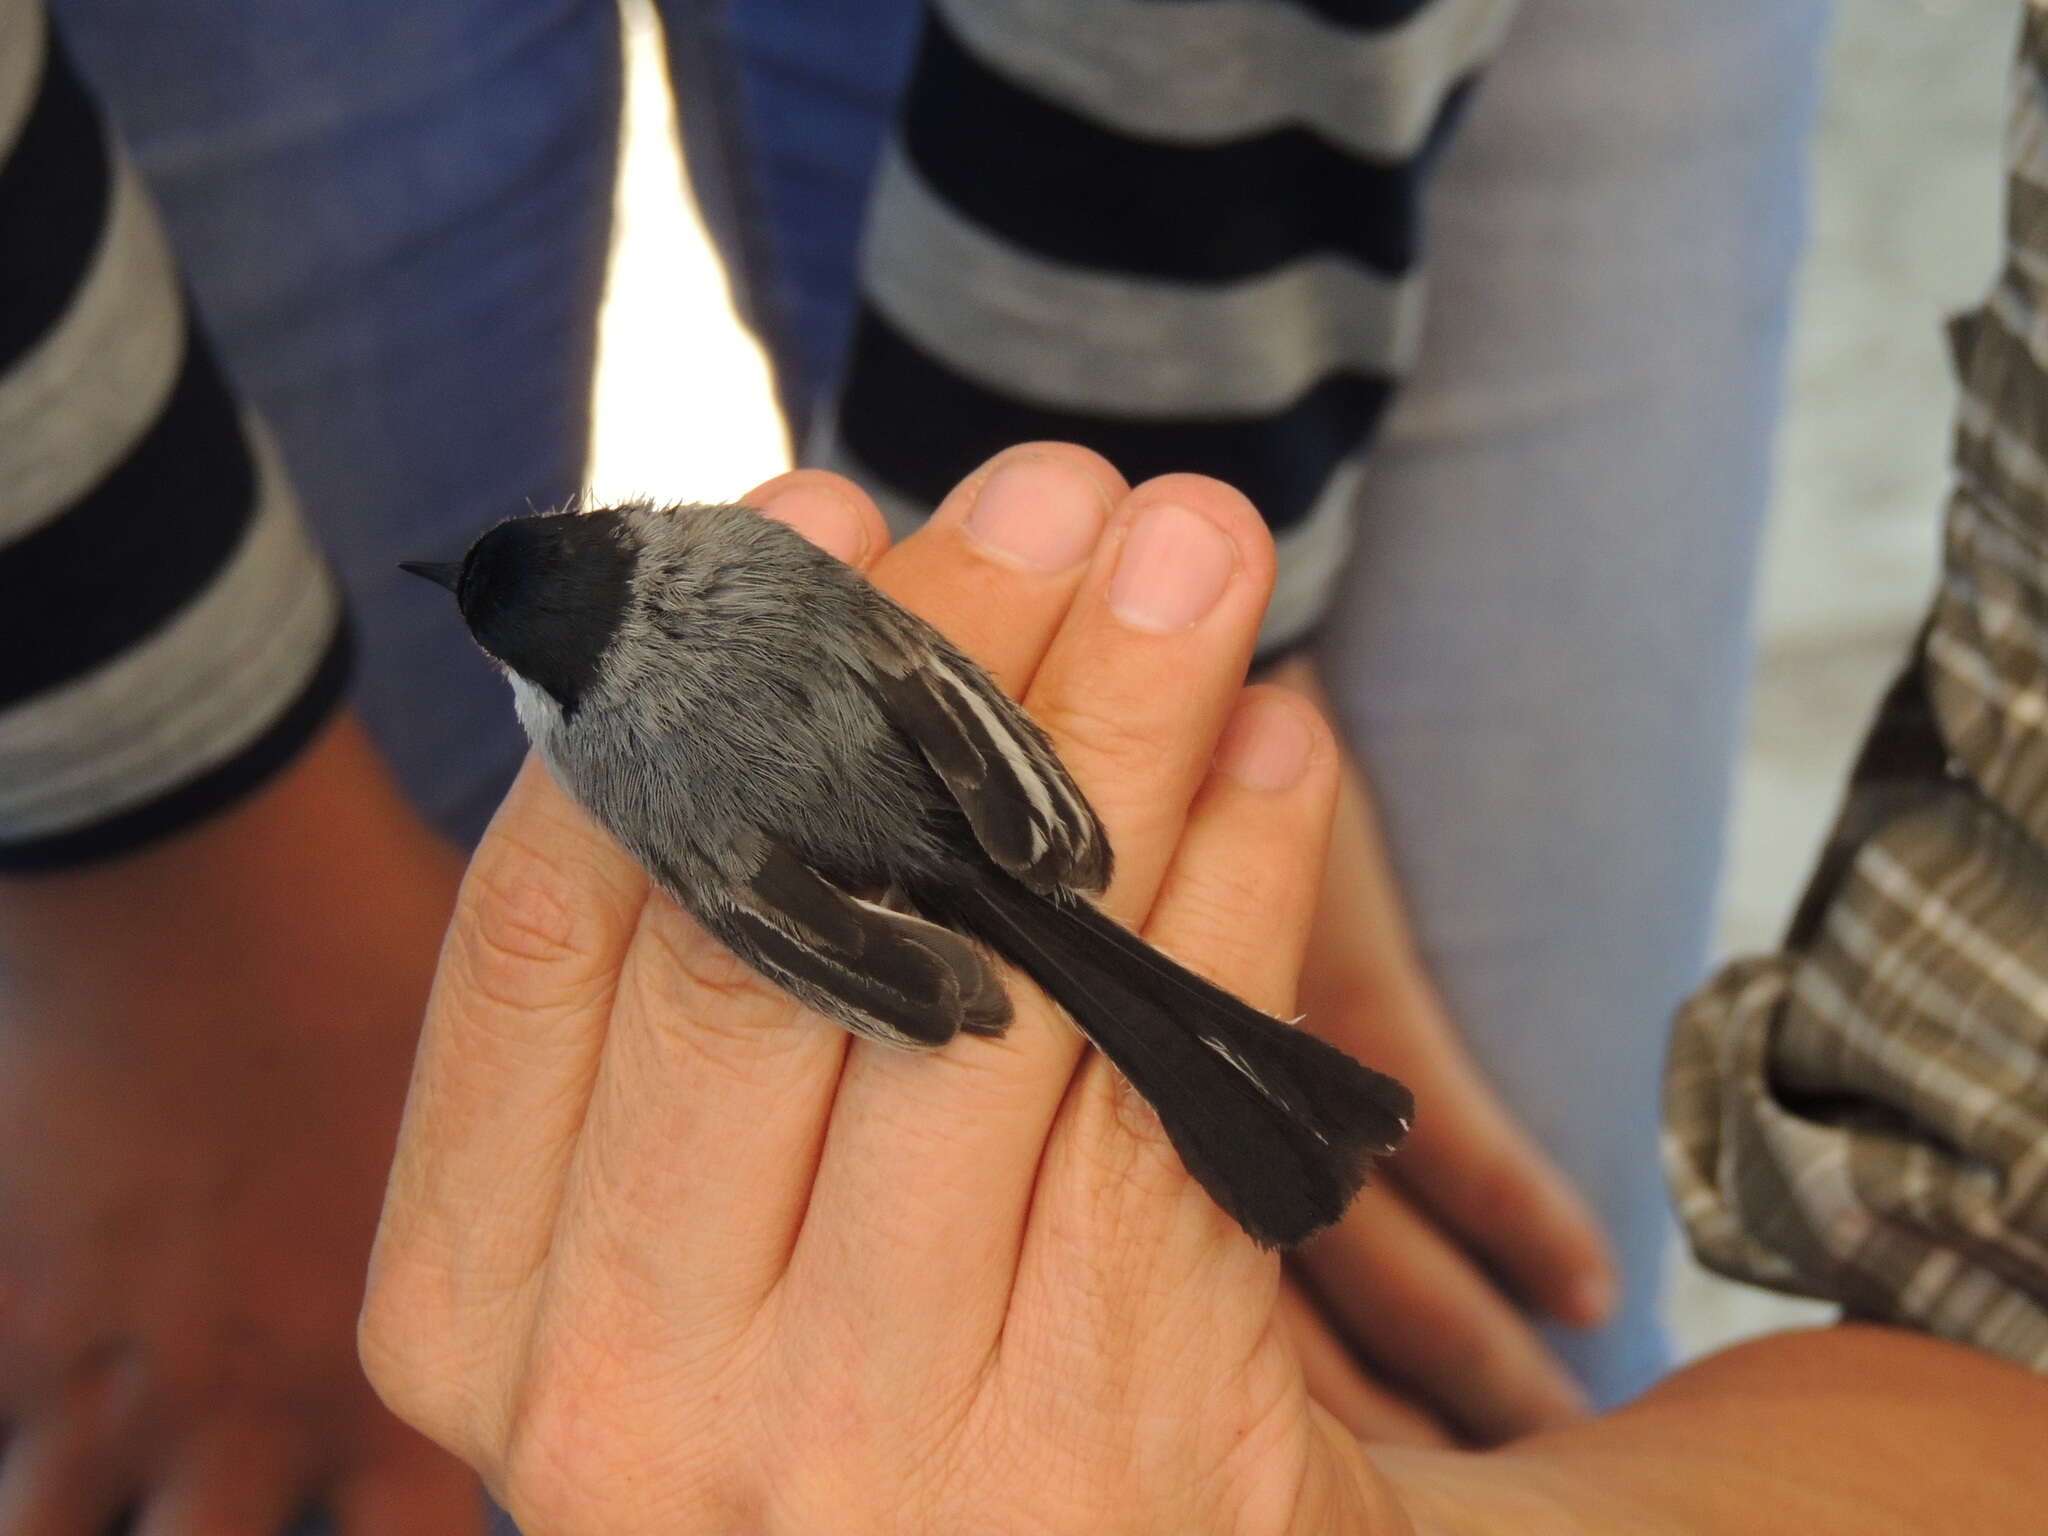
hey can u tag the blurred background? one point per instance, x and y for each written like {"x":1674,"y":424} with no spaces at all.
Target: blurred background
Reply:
{"x":1905,"y":176}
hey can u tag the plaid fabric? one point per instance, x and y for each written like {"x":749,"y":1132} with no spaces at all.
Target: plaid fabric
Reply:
{"x":1864,"y":1117}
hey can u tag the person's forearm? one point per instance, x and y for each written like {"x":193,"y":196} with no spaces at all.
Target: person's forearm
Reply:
{"x":325,"y":859}
{"x":1850,"y":1429}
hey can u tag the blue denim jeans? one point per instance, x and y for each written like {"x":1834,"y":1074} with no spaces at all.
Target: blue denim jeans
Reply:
{"x":395,"y":216}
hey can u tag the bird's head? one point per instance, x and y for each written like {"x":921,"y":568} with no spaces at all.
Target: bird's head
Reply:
{"x":545,"y":596}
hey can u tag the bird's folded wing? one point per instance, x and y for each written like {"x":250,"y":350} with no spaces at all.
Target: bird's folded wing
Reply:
{"x":883,"y":974}
{"x":1026,"y":812}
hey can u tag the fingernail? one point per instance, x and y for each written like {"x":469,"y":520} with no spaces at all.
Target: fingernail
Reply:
{"x":1038,"y":513}
{"x":827,"y":520}
{"x":1591,"y":1299}
{"x":1266,"y":745}
{"x":1175,"y":565}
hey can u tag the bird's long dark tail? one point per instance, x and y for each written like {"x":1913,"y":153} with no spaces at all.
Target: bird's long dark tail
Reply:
{"x":1279,"y":1127}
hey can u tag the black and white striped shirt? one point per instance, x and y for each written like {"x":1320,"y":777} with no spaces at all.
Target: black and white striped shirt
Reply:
{"x":1183,"y":232}
{"x":1186,"y":233}
{"x":169,"y":636}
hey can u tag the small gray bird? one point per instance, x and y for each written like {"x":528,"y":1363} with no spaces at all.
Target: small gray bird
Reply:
{"x":860,"y":814}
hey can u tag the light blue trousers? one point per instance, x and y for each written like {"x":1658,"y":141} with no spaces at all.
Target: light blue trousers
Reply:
{"x":395,"y":216}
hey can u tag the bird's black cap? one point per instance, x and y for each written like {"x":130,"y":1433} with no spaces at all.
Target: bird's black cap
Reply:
{"x":544,"y":595}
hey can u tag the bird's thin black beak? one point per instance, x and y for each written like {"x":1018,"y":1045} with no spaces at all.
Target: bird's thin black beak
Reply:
{"x":441,"y":574}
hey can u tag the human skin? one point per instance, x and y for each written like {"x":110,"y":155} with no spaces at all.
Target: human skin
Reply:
{"x":203,"y":1051}
{"x":631,"y":1171}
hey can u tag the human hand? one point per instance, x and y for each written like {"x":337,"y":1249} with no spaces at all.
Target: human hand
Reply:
{"x":664,"y":1252}
{"x":1428,"y":1273}
{"x":203,"y":1054}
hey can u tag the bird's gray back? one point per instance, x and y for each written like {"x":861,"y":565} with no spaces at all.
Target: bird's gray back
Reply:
{"x":739,"y":707}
